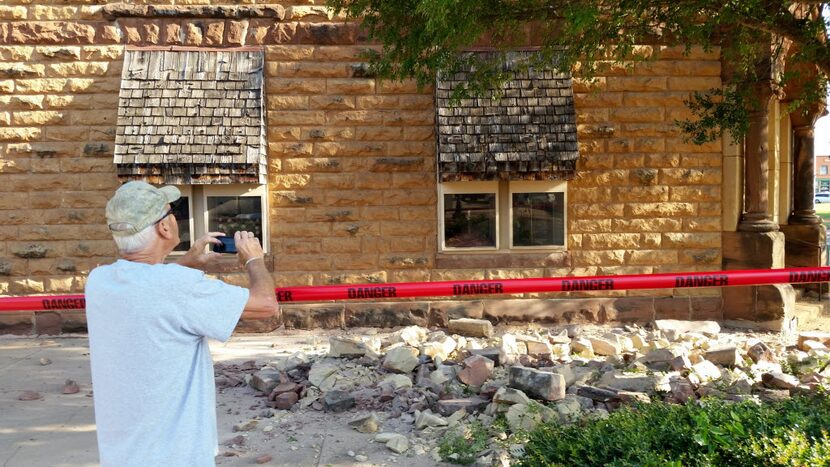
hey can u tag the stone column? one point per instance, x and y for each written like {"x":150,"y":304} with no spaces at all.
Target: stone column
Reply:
{"x":805,"y":232}
{"x":804,"y":168}
{"x":757,"y":243}
{"x":756,"y":217}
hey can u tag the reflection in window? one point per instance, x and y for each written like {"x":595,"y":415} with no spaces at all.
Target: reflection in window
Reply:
{"x":181,"y":209}
{"x":538,"y":219}
{"x":470,"y":220}
{"x":230,"y":214}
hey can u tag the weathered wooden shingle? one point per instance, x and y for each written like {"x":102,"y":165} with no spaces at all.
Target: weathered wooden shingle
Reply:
{"x":191,"y":117}
{"x":528,"y":132}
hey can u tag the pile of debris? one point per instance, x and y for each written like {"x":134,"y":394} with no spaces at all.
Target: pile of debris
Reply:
{"x":435,"y":381}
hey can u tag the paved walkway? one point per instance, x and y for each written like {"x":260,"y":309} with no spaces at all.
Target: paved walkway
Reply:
{"x":59,"y":430}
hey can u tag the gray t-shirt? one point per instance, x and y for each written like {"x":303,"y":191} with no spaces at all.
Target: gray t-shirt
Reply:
{"x":152,"y":374}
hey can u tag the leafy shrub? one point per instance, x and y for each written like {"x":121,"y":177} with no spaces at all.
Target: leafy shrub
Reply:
{"x":709,"y":432}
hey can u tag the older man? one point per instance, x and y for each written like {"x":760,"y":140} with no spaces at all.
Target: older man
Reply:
{"x":152,"y":374}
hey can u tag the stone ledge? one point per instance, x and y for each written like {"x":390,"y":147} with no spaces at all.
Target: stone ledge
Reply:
{"x":425,"y":314}
{"x":123,"y":10}
{"x":556,"y":259}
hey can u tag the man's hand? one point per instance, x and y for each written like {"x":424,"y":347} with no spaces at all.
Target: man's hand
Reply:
{"x":247,"y":247}
{"x":196,"y":257}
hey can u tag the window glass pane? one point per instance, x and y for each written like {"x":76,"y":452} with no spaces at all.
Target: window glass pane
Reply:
{"x":538,"y":219}
{"x":230,"y":214}
{"x":181,"y":209}
{"x":470,"y":220}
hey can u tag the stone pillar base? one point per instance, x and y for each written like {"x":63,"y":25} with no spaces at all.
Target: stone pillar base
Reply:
{"x":768,"y":307}
{"x":805,"y":247}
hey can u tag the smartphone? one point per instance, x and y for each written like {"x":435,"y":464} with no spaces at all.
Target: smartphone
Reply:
{"x":227,"y":245}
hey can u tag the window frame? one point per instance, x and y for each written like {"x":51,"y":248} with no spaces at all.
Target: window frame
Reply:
{"x":553,"y":186}
{"x":503,"y":189}
{"x":197,"y":200}
{"x":461,"y":188}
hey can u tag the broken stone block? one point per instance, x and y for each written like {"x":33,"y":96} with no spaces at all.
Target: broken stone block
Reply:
{"x":321,"y":370}
{"x":506,"y":395}
{"x":639,"y":342}
{"x":560,"y":338}
{"x":401,"y":359}
{"x":537,"y":347}
{"x":439,"y":348}
{"x":349,"y":347}
{"x":285,"y":400}
{"x":597,"y":394}
{"x":811,"y":346}
{"x":565,"y":370}
{"x":760,"y":351}
{"x":426,"y":418}
{"x":477,"y":370}
{"x":709,"y":328}
{"x":777,"y":380}
{"x":263,"y":459}
{"x":397,"y":381}
{"x":265,"y":380}
{"x":660,"y":355}
{"x":443,"y":374}
{"x":283,"y":388}
{"x":528,"y":416}
{"x":547,"y":385}
{"x":680,"y":363}
{"x":728,"y":356}
{"x":583,"y":348}
{"x":629,"y":382}
{"x":569,"y":408}
{"x":471,"y":327}
{"x":819,"y":336}
{"x":489,"y":352}
{"x":604,"y":347}
{"x":398,"y":444}
{"x":682,"y":390}
{"x":295,"y":360}
{"x":413,"y":336}
{"x":509,"y":350}
{"x":633,"y":397}
{"x":338,"y":401}
{"x":367,"y":424}
{"x":706,"y":371}
{"x":474,"y":404}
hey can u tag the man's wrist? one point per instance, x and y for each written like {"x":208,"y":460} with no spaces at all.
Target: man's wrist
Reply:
{"x":251,"y":260}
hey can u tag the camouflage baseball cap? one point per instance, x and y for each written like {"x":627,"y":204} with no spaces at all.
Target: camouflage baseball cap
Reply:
{"x":137,"y":205}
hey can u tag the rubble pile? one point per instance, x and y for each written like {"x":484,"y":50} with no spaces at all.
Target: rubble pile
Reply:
{"x":418,"y":385}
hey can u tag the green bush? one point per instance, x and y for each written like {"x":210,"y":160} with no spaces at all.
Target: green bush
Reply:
{"x":706,"y":433}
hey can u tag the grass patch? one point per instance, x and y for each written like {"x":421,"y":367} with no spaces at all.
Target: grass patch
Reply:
{"x":711,"y":432}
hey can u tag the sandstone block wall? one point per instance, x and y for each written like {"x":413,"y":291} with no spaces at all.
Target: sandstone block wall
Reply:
{"x":352,"y":182}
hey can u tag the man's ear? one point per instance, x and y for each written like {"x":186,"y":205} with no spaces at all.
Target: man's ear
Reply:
{"x":164,"y":229}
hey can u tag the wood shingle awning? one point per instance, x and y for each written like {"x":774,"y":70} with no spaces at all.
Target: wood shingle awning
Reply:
{"x":527,"y":132}
{"x":191,"y":117}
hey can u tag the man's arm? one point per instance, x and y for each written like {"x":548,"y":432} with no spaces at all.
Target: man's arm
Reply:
{"x":262,"y":301}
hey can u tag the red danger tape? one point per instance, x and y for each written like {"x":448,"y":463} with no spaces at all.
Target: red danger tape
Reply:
{"x":485,"y":287}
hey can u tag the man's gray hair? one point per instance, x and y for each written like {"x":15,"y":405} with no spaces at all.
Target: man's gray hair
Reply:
{"x":137,"y":241}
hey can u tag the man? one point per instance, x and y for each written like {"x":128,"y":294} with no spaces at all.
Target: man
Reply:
{"x":152,"y":374}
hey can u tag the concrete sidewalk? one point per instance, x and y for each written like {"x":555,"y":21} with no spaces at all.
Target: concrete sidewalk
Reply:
{"x":59,"y":430}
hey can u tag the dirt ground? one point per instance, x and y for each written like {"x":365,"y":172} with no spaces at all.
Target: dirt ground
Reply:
{"x":59,"y":430}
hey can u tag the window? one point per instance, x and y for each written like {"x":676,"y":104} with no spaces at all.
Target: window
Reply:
{"x":502,"y":215}
{"x":220,"y":208}
{"x":822,"y":170}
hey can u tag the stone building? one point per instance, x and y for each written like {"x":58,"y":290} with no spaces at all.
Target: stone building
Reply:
{"x":266,"y":117}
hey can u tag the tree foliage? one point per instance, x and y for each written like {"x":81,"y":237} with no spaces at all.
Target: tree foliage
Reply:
{"x":777,"y":40}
